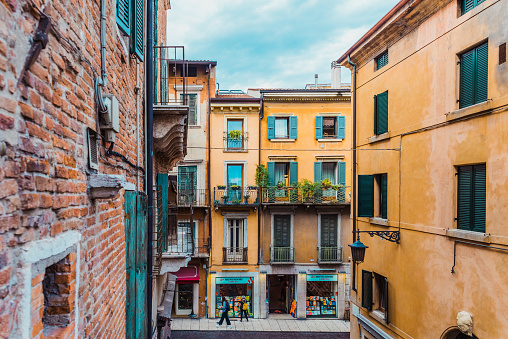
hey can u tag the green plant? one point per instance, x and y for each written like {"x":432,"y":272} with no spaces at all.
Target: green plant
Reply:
{"x":326,"y":183}
{"x":221,"y":187}
{"x":235,"y":135}
{"x":337,"y":187}
{"x":280,"y":185}
{"x":261,"y":176}
{"x":307,"y":187}
{"x":246,"y":197}
{"x":234,"y":187}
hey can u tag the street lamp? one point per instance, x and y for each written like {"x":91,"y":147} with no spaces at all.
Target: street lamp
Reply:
{"x":358,"y":250}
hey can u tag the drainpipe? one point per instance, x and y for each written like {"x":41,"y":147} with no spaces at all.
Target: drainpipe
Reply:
{"x":103,"y":44}
{"x":261,"y":115}
{"x":209,"y":190}
{"x":149,"y":155}
{"x":353,"y":184}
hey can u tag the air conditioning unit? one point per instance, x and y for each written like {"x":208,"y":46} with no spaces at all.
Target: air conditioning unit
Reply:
{"x":110,"y":122}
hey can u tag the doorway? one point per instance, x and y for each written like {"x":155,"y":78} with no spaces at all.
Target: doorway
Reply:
{"x":281,"y":292}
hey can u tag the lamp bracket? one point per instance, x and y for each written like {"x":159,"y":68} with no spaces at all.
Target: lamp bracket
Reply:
{"x":392,"y":236}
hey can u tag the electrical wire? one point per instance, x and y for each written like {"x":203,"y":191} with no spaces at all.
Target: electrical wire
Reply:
{"x":299,"y":150}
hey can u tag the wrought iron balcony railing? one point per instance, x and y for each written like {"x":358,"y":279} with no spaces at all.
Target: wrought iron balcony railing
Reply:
{"x":195,"y":197}
{"x":170,"y":72}
{"x":282,"y":255}
{"x":235,"y":196}
{"x":235,"y":144}
{"x":329,"y":254}
{"x":182,"y":245}
{"x":234,"y":255}
{"x":295,"y":195}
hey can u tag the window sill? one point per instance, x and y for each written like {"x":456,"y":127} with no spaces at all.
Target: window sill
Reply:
{"x":235,"y":151}
{"x":378,"y":315}
{"x":194,"y":126}
{"x":468,"y":235}
{"x":470,"y":110}
{"x":282,"y":140}
{"x":379,"y":221}
{"x":379,"y":137}
{"x":329,"y":140}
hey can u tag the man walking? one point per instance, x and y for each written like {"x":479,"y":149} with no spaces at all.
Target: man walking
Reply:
{"x":225,"y":309}
{"x":243,"y":309}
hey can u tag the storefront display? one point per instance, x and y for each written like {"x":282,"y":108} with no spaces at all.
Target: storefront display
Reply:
{"x":234,"y":289}
{"x":321,"y":295}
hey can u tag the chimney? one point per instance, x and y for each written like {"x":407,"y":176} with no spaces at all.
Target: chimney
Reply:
{"x":335,"y":75}
{"x":315,"y":81}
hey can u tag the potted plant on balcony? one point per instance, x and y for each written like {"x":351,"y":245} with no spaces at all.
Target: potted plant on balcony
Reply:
{"x":327,"y":192}
{"x":246,"y":199}
{"x":225,"y":199}
{"x":261,"y":176}
{"x":221,"y":187}
{"x":235,"y":135}
{"x":235,"y":187}
{"x":307,"y":189}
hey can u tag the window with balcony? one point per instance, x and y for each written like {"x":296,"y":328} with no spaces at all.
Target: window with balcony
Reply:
{"x":184,"y":242}
{"x":235,"y":134}
{"x":329,"y":250}
{"x":474,"y":76}
{"x":471,"y":197}
{"x":236,"y":249}
{"x":235,"y":183}
{"x":282,"y":250}
{"x":330,"y":174}
{"x":282,"y":127}
{"x":330,"y":127}
{"x":187,"y":183}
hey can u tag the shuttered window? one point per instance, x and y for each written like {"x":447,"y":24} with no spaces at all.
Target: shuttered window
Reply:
{"x":123,"y":15}
{"x":329,"y":230}
{"x":474,"y":76}
{"x":282,"y":230}
{"x":383,"y":196}
{"x":367,"y":289}
{"x":471,"y":198}
{"x":365,"y":195}
{"x":138,"y":32}
{"x":381,"y":113}
{"x":330,"y":127}
{"x":192,"y":101}
{"x":293,"y":172}
{"x":468,"y":5}
{"x":293,"y":127}
{"x":382,"y":60}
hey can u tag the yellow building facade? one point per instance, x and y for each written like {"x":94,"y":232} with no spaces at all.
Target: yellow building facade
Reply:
{"x":432,"y":125}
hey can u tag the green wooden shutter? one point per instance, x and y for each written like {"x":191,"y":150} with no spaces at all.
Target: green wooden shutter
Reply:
{"x":163,"y":181}
{"x":293,"y":172}
{"x":467,"y":79}
{"x":318,"y":166}
{"x":293,"y":127}
{"x":193,"y":109}
{"x":375,"y":114}
{"x":479,"y":198}
{"x":382,"y":60}
{"x":384,"y":196}
{"x":367,"y":289}
{"x":381,"y":103}
{"x":467,"y":5}
{"x":319,"y":127}
{"x":271,"y":127}
{"x":365,"y":195}
{"x":138,"y":32}
{"x":341,"y":175}
{"x":123,"y":15}
{"x":341,"y":127}
{"x":329,"y":230}
{"x":270,"y":167}
{"x":464,"y":197}
{"x":282,"y":230}
{"x":482,"y":68}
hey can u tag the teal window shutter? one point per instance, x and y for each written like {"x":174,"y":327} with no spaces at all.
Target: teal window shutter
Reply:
{"x":464,"y":197}
{"x":293,"y":172}
{"x":293,"y":127}
{"x":482,"y":76}
{"x":341,"y":175}
{"x":138,"y":29}
{"x":123,"y":15}
{"x":271,"y":127}
{"x":163,"y":181}
{"x":382,"y":60}
{"x":319,"y":127}
{"x":318,"y":169}
{"x":479,"y":197}
{"x":381,"y":113}
{"x":270,"y":167}
{"x":367,"y":289}
{"x":384,"y":196}
{"x":365,"y":195}
{"x":341,"y":127}
{"x":467,"y":65}
{"x":471,"y":198}
{"x":474,"y":76}
{"x":468,"y":5}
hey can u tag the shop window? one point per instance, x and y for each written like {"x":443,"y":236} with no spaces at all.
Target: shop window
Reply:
{"x":321,"y":295}
{"x":184,"y":299}
{"x":234,"y":289}
{"x":471,"y":197}
{"x":474,"y":76}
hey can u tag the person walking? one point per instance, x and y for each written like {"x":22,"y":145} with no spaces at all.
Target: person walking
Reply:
{"x":243,"y":309}
{"x":225,"y":309}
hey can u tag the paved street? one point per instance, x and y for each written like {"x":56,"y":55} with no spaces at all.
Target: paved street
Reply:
{"x":277,"y":327}
{"x":261,"y":335}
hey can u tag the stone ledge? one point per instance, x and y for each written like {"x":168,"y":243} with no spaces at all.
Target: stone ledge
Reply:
{"x":107,"y":186}
{"x":379,"y":221}
{"x":380,"y":137}
{"x":468,"y":235}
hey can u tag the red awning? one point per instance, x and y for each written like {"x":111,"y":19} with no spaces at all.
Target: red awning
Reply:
{"x":187,"y":275}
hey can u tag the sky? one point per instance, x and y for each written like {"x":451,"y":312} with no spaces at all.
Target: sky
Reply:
{"x":274,"y":43}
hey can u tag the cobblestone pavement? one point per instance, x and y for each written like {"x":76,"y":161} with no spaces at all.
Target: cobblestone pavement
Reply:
{"x":232,"y":334}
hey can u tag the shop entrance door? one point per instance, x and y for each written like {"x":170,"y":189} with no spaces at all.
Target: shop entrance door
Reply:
{"x":281,"y":292}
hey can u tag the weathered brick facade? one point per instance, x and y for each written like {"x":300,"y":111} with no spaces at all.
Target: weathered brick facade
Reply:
{"x":45,"y":206}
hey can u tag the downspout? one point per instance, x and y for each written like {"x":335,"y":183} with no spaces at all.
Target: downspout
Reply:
{"x":353,"y":184}
{"x":149,"y":154}
{"x":209,"y":189}
{"x":103,"y":44}
{"x":261,"y":116}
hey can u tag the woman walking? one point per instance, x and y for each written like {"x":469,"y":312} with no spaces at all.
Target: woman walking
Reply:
{"x":225,"y":309}
{"x":243,"y":309}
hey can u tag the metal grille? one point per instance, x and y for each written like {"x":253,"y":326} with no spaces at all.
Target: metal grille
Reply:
{"x":158,"y":233}
{"x":93,"y":154}
{"x":502,"y":53}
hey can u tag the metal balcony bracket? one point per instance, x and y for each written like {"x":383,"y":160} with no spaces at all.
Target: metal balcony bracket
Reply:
{"x":392,"y":236}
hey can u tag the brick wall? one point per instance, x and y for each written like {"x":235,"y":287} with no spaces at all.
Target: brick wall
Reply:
{"x":44,"y":173}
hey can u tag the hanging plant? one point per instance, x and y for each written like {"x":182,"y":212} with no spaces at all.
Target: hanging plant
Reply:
{"x":235,"y":135}
{"x":261,"y":176}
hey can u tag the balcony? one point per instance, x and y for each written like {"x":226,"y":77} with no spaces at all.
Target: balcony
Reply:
{"x":329,"y":255}
{"x":235,"y":144}
{"x":294,"y":195}
{"x":181,"y":245}
{"x":192,"y":197}
{"x":223,"y":196}
{"x":234,"y":255}
{"x":282,"y":255}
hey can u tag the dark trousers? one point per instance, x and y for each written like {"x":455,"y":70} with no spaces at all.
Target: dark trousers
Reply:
{"x":224,"y":316}
{"x":242,"y":312}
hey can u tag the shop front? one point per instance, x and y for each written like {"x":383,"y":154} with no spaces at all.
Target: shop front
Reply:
{"x":186,"y":291}
{"x":234,"y":288}
{"x":321,"y":301}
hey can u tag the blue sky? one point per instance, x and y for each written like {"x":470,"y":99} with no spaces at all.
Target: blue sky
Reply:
{"x":274,"y":43}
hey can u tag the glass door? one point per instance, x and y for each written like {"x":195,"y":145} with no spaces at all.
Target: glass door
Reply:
{"x":235,"y":183}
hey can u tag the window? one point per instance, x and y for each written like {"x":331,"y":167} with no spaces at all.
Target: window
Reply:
{"x":381,"y":187}
{"x":471,"y":197}
{"x":372,"y":196}
{"x":193,"y":108}
{"x":330,"y":127}
{"x":474,"y":76}
{"x":187,"y":182}
{"x":184,"y":298}
{"x":235,"y":134}
{"x":382,"y":60}
{"x":375,"y":293}
{"x":123,"y":15}
{"x":468,"y":5}
{"x":282,"y":127}
{"x":381,"y":113}
{"x":235,"y":183}
{"x":184,"y":241}
{"x":282,"y":251}
{"x":333,"y":171}
{"x":192,"y":71}
{"x":129,"y":17}
{"x":283,"y":172}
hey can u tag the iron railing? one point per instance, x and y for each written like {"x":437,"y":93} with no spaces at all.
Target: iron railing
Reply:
{"x":194,"y":197}
{"x":282,"y":255}
{"x":157,"y":230}
{"x":170,"y":72}
{"x":234,"y":255}
{"x":233,"y":144}
{"x":223,"y":195}
{"x":183,"y":244}
{"x":329,"y":254}
{"x":296,"y":195}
